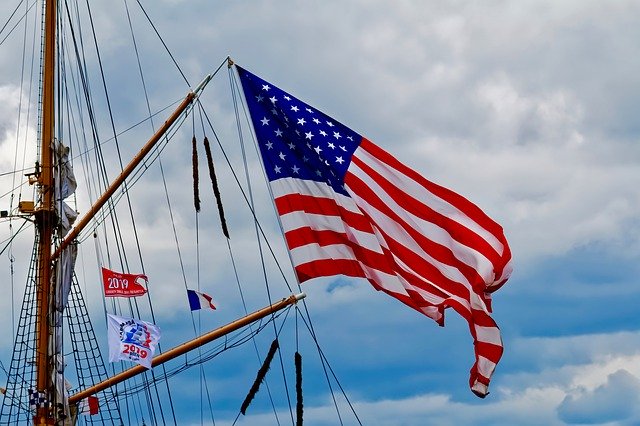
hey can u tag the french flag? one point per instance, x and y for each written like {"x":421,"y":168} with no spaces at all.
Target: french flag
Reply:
{"x":199,"y":300}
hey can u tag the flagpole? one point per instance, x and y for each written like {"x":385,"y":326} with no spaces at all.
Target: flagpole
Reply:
{"x":187,"y":346}
{"x":269,"y":188}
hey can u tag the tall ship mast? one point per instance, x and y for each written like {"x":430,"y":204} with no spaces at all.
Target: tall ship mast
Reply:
{"x":44,"y":215}
{"x":52,"y":291}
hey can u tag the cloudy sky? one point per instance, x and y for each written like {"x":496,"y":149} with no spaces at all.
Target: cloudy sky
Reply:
{"x":528,"y":108}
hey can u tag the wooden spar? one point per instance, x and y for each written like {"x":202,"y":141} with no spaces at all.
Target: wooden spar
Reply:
{"x":186,"y":347}
{"x":80,"y":225}
{"x":44,"y":213}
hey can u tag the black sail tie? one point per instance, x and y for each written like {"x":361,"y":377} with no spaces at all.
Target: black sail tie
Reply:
{"x":298,"y":361}
{"x":216,"y":190}
{"x":194,"y":160}
{"x":260,"y":376}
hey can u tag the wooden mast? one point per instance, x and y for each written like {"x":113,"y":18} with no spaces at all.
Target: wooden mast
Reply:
{"x":44,"y":215}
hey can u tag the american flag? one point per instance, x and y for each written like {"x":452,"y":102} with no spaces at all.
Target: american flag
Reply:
{"x":348,"y":207}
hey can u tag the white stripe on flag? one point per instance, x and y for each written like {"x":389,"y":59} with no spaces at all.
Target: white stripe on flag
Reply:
{"x":488,"y":335}
{"x":419,"y":192}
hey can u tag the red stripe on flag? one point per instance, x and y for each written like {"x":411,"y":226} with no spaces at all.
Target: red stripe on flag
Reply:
{"x":417,"y":208}
{"x":451,"y":197}
{"x":305,"y":236}
{"x":419,"y":282}
{"x":440,"y":253}
{"x":321,"y":206}
{"x":329,"y":267}
{"x":460,"y":202}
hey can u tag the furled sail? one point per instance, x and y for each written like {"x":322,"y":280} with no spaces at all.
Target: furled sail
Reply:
{"x":65,"y":186}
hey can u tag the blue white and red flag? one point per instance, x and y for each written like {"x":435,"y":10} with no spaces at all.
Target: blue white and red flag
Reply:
{"x":348,"y":207}
{"x":199,"y":300}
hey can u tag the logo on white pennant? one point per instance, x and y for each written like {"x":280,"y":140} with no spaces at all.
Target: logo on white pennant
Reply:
{"x":131,"y":339}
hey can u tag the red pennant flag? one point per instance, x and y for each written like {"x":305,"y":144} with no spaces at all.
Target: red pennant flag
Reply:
{"x":117,"y":284}
{"x":90,"y":406}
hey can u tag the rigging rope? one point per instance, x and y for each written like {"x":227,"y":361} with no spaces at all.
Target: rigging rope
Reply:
{"x":17,"y":23}
{"x":198,"y":330}
{"x":163,"y":43}
{"x":100,"y":166}
{"x":17,"y":141}
{"x":261,"y":254}
{"x":116,"y":227}
{"x":11,"y":16}
{"x":214,"y":184}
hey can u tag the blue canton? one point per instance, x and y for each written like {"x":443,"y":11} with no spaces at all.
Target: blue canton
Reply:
{"x":295,"y":139}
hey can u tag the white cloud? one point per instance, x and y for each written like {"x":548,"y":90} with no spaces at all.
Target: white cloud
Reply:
{"x":17,"y":145}
{"x":536,"y":168}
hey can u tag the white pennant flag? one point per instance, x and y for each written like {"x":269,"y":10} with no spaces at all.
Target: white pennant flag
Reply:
{"x":131,"y":339}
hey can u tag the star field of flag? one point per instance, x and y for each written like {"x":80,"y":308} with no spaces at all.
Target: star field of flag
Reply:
{"x":297,"y":140}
